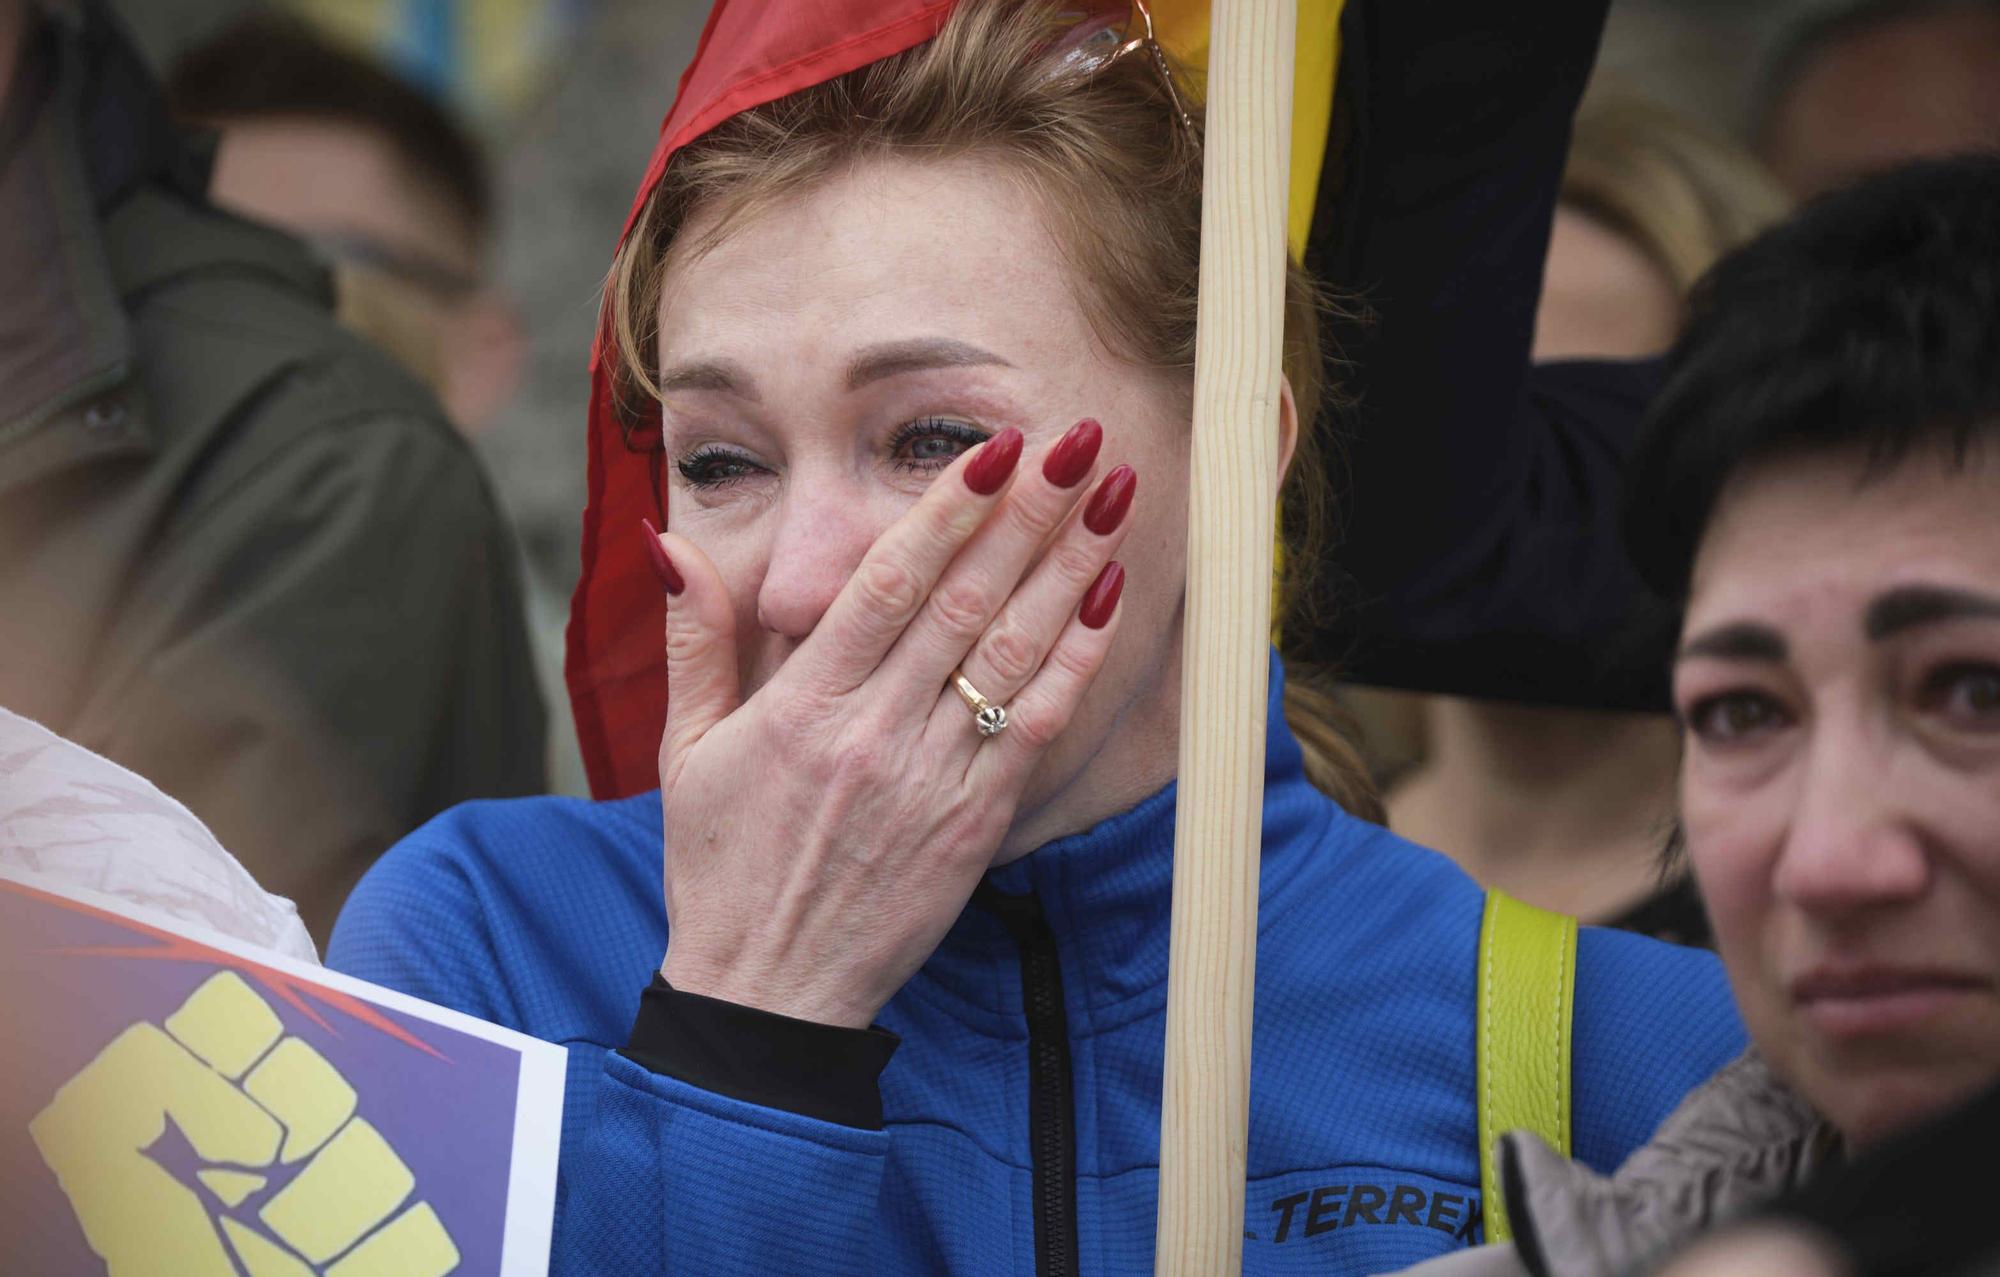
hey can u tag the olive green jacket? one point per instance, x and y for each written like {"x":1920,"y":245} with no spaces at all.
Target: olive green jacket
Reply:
{"x":240,"y":552}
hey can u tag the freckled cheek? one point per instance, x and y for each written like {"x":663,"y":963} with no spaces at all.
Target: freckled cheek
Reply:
{"x":1155,"y":552}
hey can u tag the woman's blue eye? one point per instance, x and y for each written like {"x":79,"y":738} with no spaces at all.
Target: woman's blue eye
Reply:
{"x":1966,"y":694}
{"x":934,"y":448}
{"x":712,"y":467}
{"x":932,"y":443}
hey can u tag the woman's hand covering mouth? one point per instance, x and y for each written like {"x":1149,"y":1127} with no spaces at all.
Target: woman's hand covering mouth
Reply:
{"x":822,"y":834}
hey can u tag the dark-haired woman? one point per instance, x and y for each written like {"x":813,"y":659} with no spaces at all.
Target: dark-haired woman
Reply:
{"x":1819,"y":483}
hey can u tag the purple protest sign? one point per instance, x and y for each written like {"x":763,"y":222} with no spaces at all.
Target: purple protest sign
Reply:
{"x":172,"y":1101}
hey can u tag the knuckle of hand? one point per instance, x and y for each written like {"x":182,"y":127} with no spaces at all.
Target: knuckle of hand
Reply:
{"x":959,"y":608}
{"x":1076,"y":663}
{"x":1011,"y":655}
{"x":1029,"y":517}
{"x":859,"y":757}
{"x":955,"y":521}
{"x":688,"y":643}
{"x":1074,"y":563}
{"x":889,"y":589}
{"x":1038,"y":726}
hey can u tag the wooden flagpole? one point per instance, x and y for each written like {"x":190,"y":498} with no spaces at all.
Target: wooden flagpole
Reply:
{"x":1205,"y":1116}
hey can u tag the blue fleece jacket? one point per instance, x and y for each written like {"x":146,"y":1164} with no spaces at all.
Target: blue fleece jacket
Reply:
{"x":545,"y":915}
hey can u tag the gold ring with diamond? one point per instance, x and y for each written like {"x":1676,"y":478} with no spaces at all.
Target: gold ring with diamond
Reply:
{"x":989,"y":718}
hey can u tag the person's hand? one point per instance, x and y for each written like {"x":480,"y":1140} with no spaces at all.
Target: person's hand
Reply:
{"x":274,"y":1126}
{"x":822,"y":835}
{"x":1761,"y":1249}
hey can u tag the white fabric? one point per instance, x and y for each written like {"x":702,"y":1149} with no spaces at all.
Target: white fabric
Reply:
{"x":81,"y":820}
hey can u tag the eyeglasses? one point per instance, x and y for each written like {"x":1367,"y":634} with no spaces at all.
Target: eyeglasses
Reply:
{"x":1102,"y":35}
{"x":444,"y":282}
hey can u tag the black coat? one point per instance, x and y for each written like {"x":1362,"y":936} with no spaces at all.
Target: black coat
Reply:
{"x":1477,"y":497}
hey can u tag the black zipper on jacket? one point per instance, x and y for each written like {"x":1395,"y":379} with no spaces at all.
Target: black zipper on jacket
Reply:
{"x":1051,"y":1124}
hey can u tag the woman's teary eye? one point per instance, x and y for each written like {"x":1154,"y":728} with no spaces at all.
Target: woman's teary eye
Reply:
{"x":711,"y":466}
{"x":1729,"y":718}
{"x":932,"y":443}
{"x":1966,"y":693}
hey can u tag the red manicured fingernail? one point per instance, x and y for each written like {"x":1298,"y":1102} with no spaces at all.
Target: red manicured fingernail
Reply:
{"x":1073,"y":454}
{"x":986,"y":472}
{"x":1101,"y":599}
{"x":663,"y":567}
{"x":1111,"y":500}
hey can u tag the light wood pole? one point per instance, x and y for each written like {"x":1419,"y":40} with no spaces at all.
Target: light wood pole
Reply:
{"x":1205,"y":1116}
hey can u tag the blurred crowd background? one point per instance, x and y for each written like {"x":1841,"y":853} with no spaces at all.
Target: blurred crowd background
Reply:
{"x":243,"y":556}
{"x":559,"y":101}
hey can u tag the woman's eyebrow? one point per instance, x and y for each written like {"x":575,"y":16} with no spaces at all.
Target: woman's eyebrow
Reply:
{"x":893,"y":358}
{"x":1914,"y":605}
{"x":719,"y":375}
{"x":1736,"y":641}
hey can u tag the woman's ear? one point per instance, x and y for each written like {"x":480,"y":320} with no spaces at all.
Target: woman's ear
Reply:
{"x":1288,"y":427}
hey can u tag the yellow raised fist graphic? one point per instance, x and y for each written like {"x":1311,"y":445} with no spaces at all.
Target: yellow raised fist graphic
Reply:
{"x":269,"y":1118}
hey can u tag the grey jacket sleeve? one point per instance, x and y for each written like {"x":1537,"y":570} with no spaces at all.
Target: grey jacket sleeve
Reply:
{"x":1736,"y":1143}
{"x":324,"y":648}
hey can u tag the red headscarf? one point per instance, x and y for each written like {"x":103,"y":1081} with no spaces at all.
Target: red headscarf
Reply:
{"x":751,"y":52}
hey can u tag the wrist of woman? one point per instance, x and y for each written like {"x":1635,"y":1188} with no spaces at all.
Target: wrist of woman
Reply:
{"x":823,"y":1001}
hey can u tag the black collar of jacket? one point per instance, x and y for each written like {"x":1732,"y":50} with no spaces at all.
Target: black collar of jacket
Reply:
{"x":111,"y":197}
{"x":127,"y":136}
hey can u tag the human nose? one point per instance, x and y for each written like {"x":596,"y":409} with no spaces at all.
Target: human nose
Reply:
{"x":1853,"y":842}
{"x":823,"y":533}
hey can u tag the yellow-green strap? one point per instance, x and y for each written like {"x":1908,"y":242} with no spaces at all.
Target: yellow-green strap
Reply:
{"x":1527,"y":987}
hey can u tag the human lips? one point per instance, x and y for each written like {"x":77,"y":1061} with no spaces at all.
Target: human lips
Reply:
{"x":1868,"y":1001}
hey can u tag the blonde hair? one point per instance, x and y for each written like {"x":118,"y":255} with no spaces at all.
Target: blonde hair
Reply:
{"x":1684,"y":195}
{"x":1118,"y":176}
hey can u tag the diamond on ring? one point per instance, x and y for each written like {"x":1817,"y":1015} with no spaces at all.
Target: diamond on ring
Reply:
{"x":989,"y":718}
